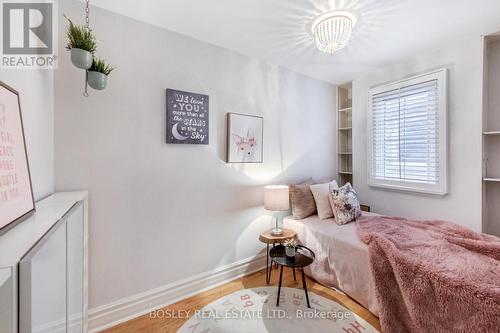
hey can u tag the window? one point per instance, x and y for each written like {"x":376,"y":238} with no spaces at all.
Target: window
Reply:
{"x":407,"y":134}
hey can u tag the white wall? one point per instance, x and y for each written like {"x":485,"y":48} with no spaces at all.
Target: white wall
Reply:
{"x":36,"y":90}
{"x":463,"y":203}
{"x":160,"y":213}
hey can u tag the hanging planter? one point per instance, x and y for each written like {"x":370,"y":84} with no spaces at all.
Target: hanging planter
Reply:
{"x":97,"y":80}
{"x":98,"y":74}
{"x":81,"y":58}
{"x":81,"y":44}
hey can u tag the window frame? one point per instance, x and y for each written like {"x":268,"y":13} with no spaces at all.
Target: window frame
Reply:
{"x":440,"y":188}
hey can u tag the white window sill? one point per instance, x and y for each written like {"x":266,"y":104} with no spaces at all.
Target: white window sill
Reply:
{"x":437,"y":191}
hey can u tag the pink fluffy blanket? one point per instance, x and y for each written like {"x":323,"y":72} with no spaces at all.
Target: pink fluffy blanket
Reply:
{"x":433,"y":276}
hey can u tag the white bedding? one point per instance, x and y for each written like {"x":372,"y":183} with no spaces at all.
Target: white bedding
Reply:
{"x":341,"y":258}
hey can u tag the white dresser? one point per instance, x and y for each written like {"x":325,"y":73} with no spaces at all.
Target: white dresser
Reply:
{"x":44,"y":268}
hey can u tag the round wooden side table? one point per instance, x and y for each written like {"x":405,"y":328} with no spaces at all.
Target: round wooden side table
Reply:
{"x":270,"y":239}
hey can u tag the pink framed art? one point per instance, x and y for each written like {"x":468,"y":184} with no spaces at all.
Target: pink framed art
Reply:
{"x":16,"y":193}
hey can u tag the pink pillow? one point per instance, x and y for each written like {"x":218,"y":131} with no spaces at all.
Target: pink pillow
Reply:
{"x":302,"y":200}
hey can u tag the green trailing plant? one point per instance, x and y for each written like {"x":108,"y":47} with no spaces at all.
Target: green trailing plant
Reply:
{"x":289,"y":243}
{"x":80,"y":37}
{"x":99,"y":65}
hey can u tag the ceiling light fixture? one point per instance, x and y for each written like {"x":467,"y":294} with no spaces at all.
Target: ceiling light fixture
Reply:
{"x":332,"y":30}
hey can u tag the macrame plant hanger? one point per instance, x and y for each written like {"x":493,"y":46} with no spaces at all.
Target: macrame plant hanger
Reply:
{"x":87,"y":24}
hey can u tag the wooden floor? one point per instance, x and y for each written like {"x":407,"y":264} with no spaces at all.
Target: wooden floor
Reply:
{"x":145,"y":324}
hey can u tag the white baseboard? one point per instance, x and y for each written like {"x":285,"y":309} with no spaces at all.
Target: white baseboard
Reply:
{"x":75,"y":324}
{"x":112,"y":314}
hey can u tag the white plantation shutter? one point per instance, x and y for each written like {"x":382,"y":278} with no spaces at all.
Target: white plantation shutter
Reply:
{"x":407,"y":145}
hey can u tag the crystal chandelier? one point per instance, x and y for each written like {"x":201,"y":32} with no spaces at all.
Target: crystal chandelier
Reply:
{"x":332,"y":31}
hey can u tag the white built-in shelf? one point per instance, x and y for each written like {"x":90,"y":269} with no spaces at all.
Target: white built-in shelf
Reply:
{"x":491,"y":136}
{"x":344,"y":133}
{"x":491,"y":179}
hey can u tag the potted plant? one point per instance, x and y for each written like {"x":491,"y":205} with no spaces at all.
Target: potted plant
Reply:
{"x":98,"y":73}
{"x":81,"y":44}
{"x":290,"y":248}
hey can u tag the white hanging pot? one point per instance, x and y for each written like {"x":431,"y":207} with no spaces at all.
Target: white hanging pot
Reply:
{"x":97,"y":80}
{"x":81,"y":58}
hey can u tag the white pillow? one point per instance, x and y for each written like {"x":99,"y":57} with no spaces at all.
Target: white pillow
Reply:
{"x":321,"y":192}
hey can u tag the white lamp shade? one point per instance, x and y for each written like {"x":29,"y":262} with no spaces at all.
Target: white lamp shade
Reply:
{"x":276,"y":198}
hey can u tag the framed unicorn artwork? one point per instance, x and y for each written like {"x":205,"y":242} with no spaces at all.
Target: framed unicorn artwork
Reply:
{"x":245,"y":138}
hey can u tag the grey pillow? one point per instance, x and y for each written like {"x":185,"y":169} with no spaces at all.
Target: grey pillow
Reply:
{"x":302,"y":200}
{"x":345,"y":204}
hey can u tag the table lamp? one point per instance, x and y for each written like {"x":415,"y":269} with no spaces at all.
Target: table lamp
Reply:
{"x":276,"y":200}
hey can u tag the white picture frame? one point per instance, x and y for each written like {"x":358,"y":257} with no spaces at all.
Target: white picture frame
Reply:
{"x":245,"y":138}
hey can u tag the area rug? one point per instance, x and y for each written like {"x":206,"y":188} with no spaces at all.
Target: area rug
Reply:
{"x":254,"y":311}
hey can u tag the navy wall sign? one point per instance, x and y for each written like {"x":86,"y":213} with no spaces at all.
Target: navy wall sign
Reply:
{"x":187,"y":117}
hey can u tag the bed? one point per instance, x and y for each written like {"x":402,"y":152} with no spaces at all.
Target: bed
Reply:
{"x":341,"y":257}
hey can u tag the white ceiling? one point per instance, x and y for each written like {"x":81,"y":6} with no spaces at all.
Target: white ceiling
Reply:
{"x":274,"y":30}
